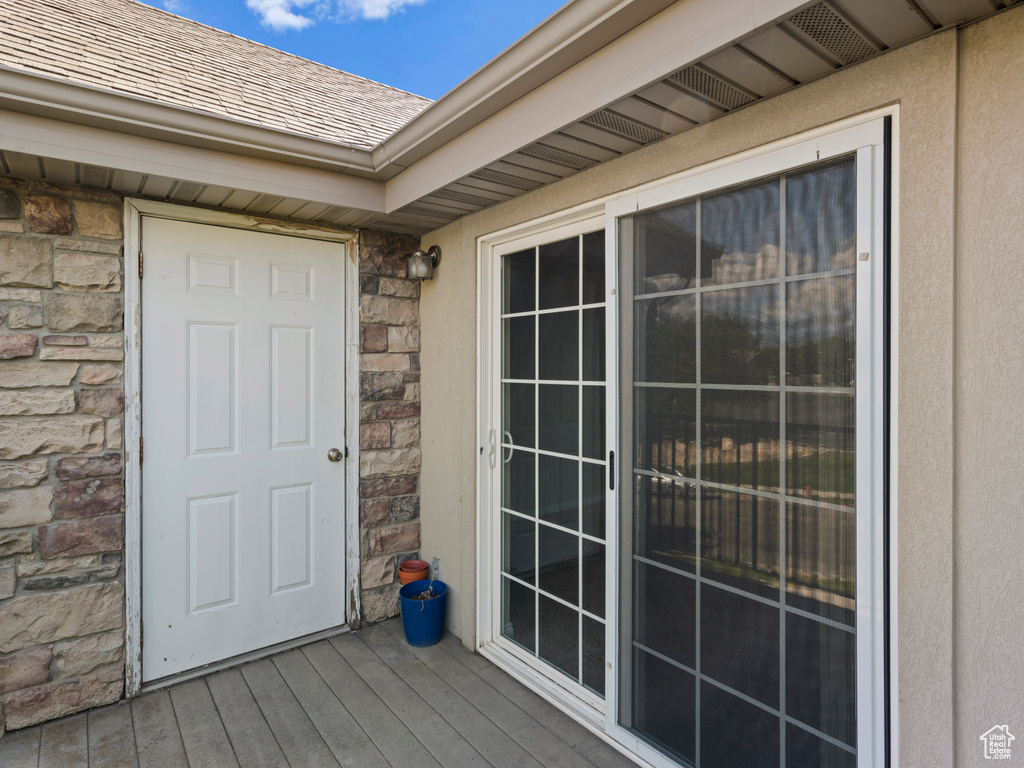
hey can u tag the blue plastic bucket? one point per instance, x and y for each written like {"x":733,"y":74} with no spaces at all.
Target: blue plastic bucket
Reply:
{"x":423,"y":620}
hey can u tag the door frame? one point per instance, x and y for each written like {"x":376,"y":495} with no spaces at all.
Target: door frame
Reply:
{"x":134,"y":210}
{"x":803,"y":148}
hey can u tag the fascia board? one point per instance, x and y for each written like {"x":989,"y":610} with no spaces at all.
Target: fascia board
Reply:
{"x":574,"y":32}
{"x":46,"y":137}
{"x":73,"y":102}
{"x":679,"y":35}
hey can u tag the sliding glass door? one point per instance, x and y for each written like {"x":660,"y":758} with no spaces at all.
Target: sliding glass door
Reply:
{"x":738,"y":566}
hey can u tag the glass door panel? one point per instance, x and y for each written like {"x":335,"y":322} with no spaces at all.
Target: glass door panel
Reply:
{"x":553,"y":516}
{"x":739,"y":526}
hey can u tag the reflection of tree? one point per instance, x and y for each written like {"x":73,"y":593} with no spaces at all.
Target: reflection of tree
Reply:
{"x":821,"y":362}
{"x":734,"y":352}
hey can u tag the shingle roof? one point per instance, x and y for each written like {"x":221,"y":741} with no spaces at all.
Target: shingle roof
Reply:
{"x":125,"y":46}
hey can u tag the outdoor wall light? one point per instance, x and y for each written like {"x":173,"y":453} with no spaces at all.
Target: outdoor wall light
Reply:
{"x":423,"y":263}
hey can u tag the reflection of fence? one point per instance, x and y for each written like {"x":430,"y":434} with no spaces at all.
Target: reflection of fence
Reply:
{"x":740,"y":531}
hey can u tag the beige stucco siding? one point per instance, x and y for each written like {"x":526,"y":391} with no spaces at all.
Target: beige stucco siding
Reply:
{"x":955,"y":382}
{"x":989,"y":523}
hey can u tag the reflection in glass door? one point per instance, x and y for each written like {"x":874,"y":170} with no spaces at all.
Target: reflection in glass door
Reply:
{"x":738,"y":560}
{"x":553,"y":472}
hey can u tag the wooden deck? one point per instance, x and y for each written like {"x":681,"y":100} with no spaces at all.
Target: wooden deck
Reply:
{"x":364,"y":699}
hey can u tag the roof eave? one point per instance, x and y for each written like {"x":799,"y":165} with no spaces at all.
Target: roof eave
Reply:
{"x":52,"y":97}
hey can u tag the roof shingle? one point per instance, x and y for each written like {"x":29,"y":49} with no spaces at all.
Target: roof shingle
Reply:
{"x":125,"y":46}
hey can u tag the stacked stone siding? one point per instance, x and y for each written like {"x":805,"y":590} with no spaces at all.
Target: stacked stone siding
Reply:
{"x":389,"y":415}
{"x":61,"y":477}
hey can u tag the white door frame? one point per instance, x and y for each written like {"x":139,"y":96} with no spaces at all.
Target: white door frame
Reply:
{"x":860,"y":132}
{"x":134,"y":210}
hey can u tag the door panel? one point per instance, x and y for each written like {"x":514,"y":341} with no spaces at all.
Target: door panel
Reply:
{"x":243,"y":396}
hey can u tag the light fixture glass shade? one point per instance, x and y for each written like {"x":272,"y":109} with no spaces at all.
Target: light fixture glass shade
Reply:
{"x":421,"y":266}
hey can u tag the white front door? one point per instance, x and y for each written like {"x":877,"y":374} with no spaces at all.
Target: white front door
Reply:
{"x":243,"y":396}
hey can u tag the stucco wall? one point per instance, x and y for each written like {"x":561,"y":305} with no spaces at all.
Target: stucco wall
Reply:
{"x":989,"y":524}
{"x":923,"y":79}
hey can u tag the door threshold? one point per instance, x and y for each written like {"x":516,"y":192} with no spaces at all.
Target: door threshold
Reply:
{"x":242,"y":658}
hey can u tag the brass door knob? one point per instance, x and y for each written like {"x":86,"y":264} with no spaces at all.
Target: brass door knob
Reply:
{"x":335,"y":455}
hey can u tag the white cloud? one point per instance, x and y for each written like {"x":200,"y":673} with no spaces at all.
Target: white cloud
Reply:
{"x":175,"y":6}
{"x":373,"y":9}
{"x":284,"y":15}
{"x":279,"y":15}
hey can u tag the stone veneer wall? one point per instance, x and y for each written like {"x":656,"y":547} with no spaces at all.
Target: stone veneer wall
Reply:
{"x":61,"y":417}
{"x":389,"y":416}
{"x":61,"y":482}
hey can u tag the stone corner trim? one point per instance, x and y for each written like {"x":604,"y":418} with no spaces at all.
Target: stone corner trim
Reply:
{"x":61,"y":465}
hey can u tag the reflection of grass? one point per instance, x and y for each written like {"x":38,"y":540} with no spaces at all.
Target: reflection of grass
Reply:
{"x":688,"y":562}
{"x":823,"y":472}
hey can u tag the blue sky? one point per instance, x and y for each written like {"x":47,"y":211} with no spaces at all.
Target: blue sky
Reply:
{"x":423,"y":46}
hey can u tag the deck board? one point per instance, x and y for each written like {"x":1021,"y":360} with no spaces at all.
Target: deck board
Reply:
{"x":364,"y":699}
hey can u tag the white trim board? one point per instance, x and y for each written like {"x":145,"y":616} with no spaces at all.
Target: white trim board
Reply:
{"x":134,"y":210}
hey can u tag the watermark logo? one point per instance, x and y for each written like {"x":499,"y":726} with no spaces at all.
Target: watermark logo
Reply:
{"x":997,"y":742}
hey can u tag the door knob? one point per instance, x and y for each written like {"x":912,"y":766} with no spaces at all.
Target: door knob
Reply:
{"x":335,"y":455}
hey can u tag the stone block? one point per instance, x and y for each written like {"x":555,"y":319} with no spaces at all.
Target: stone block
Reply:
{"x":25,"y":316}
{"x":405,"y":433}
{"x":81,"y":537}
{"x":369,"y":285}
{"x":25,"y":261}
{"x":389,"y":310}
{"x":10,"y":205}
{"x":403,"y":338}
{"x":87,"y":272}
{"x":48,"y":215}
{"x":100,"y":374}
{"x":390,"y":463}
{"x":115,"y":436}
{"x":11,"y":226}
{"x":381,"y":386}
{"x":28,"y":566}
{"x":382,"y":362}
{"x":17,"y":345}
{"x":102,"y":402}
{"x":81,"y":353}
{"x":71,"y":578}
{"x":374,"y":338}
{"x":372,"y":237}
{"x":379,"y":604}
{"x":395,"y":538}
{"x":20,"y":294}
{"x":383,"y":261}
{"x":398,"y":410}
{"x":48,"y":702}
{"x":25,"y":475}
{"x":25,"y":669}
{"x":377,"y":572}
{"x":98,"y":220}
{"x":19,"y":375}
{"x":60,"y":340}
{"x":33,"y":402}
{"x":58,"y":434}
{"x":107,"y":341}
{"x":367,"y":411}
{"x":87,"y":245}
{"x":28,"y":506}
{"x":374,"y":512}
{"x":375,"y":434}
{"x":15,"y":542}
{"x":82,"y":656}
{"x":36,"y":619}
{"x":7,"y":579}
{"x":83,"y":312}
{"x":412,"y":392}
{"x":89,"y":498}
{"x":407,"y":289}
{"x":387,"y":486}
{"x":405,"y":508}
{"x":76,"y":468}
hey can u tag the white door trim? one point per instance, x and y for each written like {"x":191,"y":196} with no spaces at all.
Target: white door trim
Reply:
{"x":134,"y":209}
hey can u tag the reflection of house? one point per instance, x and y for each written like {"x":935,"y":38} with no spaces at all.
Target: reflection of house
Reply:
{"x":277,"y":202}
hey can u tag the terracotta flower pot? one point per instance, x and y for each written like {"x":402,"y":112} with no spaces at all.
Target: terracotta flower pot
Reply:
{"x":413,"y":565}
{"x":413,"y":570}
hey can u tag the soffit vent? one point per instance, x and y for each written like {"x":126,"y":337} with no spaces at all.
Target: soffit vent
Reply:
{"x":331,"y":213}
{"x":264,"y":203}
{"x":186,"y":190}
{"x":462,"y":197}
{"x":623,"y":126}
{"x":560,"y":156}
{"x":94,"y":176}
{"x":486,"y":174}
{"x":833,"y":33}
{"x":709,"y":86}
{"x":413,"y":210}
